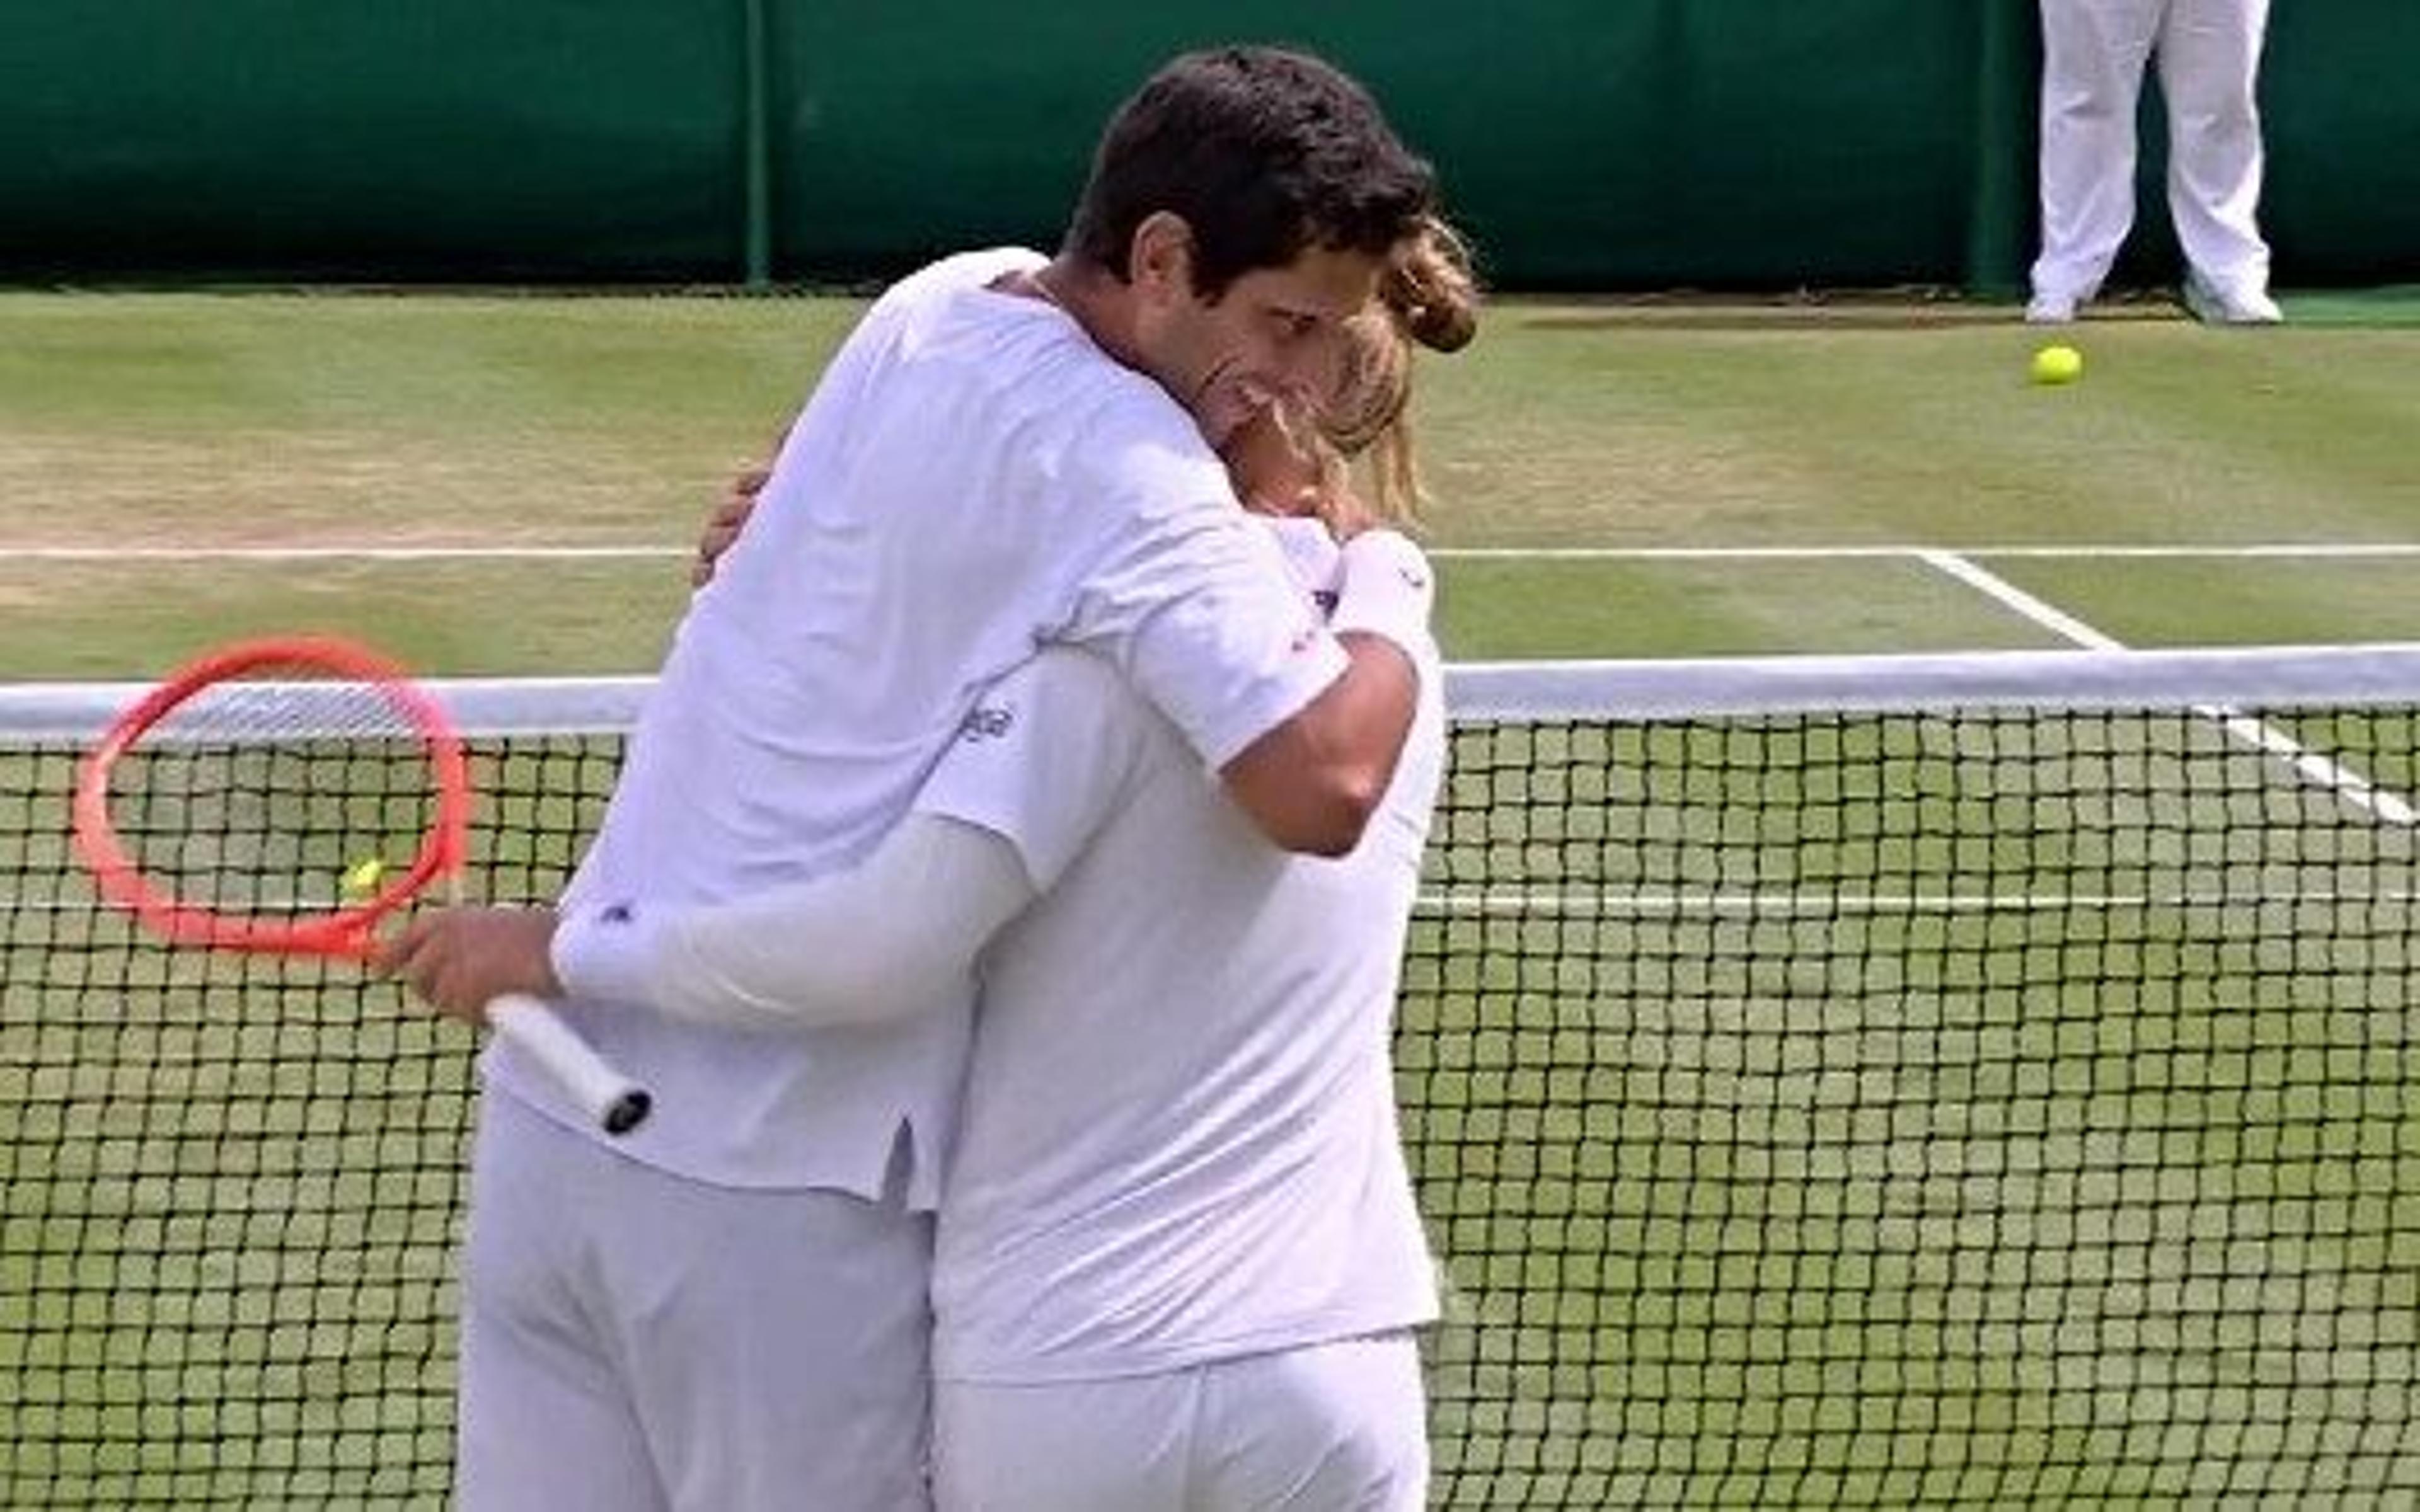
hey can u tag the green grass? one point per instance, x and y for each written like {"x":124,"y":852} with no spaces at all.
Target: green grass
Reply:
{"x":234,"y":1184}
{"x":168,"y":421}
{"x":1752,"y":1185}
{"x":2374,"y":309}
{"x":1562,"y":429}
{"x":1511,"y":610}
{"x":2086,"y":1172}
{"x":2167,"y":603}
{"x":483,"y":618}
{"x":1763,"y":1181}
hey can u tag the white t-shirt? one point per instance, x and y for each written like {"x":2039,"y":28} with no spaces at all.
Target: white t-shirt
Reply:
{"x":972,"y":479}
{"x":1178,"y":1139}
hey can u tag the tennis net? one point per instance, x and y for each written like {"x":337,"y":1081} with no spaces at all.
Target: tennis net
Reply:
{"x":1907,"y":1081}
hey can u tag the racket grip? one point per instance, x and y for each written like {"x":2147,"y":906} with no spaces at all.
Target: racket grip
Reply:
{"x":617,"y":1103}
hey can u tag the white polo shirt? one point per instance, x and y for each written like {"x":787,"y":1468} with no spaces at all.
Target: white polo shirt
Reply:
{"x":1178,"y":1140}
{"x":972,"y":479}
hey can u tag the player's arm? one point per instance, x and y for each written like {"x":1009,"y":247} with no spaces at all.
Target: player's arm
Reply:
{"x":1312,"y":782}
{"x":893,"y":935}
{"x":1045,"y":759}
{"x":1326,"y":734}
{"x":888,"y":938}
{"x":1005,"y":812}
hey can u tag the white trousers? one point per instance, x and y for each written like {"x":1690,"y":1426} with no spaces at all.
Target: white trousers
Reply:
{"x":1329,"y":1428}
{"x":635,"y":1342}
{"x":2093,"y":57}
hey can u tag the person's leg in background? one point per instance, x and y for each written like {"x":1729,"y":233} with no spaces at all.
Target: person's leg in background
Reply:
{"x":2094,"y":52}
{"x":2210,"y":67}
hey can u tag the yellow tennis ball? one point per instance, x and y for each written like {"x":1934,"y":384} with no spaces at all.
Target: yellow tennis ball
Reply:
{"x":2057,"y":364}
{"x":361,"y":878}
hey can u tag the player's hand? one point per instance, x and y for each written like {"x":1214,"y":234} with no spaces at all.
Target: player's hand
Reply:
{"x":729,"y":517}
{"x":1385,"y":587}
{"x":1384,"y":562}
{"x":460,"y":960}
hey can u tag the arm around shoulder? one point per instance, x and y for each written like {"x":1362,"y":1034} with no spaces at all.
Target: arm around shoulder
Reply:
{"x":1314,"y":783}
{"x":893,"y":935}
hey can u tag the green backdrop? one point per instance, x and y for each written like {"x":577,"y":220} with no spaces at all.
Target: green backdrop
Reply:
{"x":1589,"y":144}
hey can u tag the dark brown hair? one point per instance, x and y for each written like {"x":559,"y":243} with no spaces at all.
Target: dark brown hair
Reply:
{"x":1262,"y":152}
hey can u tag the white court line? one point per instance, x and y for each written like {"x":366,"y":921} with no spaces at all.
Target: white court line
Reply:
{"x":2356,"y":789}
{"x":2318,"y":549}
{"x":340,"y":554}
{"x":2009,"y":595}
{"x":371,"y":551}
{"x":2250,"y":551}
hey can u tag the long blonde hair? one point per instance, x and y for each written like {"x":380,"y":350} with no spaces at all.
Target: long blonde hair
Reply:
{"x":1428,"y":297}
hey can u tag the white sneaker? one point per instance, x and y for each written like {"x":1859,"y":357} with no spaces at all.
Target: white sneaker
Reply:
{"x":2046,"y":309}
{"x":2215,"y":306}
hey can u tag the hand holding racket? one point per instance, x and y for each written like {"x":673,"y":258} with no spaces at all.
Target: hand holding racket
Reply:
{"x":460,"y":960}
{"x":262,"y":799}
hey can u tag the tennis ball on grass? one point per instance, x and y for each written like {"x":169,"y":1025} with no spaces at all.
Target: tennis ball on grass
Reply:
{"x":2057,"y":364}
{"x":362,"y":877}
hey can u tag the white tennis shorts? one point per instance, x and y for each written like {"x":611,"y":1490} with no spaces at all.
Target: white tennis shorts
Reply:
{"x":1329,"y":1428}
{"x":633,"y":1340}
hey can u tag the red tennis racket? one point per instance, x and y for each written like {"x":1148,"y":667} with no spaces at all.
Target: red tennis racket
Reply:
{"x":283,"y":796}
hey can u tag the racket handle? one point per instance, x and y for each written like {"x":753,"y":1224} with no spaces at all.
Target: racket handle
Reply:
{"x":617,"y":1102}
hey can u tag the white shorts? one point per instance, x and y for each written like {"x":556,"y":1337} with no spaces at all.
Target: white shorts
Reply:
{"x":633,"y":1340}
{"x":1324,"y":1429}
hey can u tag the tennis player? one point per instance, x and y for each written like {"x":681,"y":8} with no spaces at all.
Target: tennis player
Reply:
{"x":728,"y":1309}
{"x":1179,"y":1260}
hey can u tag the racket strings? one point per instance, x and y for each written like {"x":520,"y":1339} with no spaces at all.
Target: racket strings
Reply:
{"x":274,"y":799}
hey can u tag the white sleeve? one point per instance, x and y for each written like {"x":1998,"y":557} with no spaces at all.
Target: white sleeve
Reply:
{"x":1385,"y":588}
{"x":1047,"y":757}
{"x":893,"y":935}
{"x":1195,"y":604}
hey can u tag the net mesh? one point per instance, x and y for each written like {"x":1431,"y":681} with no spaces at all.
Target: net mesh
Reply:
{"x":268,"y":798}
{"x":1953,"y":1105}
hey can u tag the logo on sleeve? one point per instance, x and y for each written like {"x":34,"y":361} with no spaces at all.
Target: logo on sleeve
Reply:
{"x":987,"y":723}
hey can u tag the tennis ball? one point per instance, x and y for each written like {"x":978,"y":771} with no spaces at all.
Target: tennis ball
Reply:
{"x":361,"y":877}
{"x":2057,"y":364}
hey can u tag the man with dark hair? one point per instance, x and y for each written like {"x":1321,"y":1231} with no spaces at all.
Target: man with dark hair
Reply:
{"x":1262,"y":154}
{"x":728,"y":1309}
